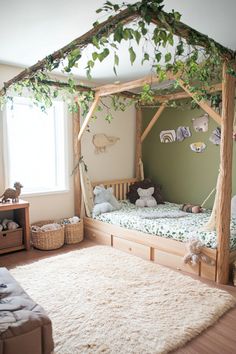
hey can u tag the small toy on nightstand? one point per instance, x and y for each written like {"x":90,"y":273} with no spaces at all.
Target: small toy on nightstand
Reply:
{"x":11,"y":193}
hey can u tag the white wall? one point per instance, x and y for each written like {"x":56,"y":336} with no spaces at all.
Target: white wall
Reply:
{"x":117,"y":162}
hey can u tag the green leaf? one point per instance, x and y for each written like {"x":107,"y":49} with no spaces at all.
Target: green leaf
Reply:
{"x":95,"y":42}
{"x":168,"y":57}
{"x":94,"y":55}
{"x":116,"y":59}
{"x":132,"y":55}
{"x":180,"y":48}
{"x":95,"y":24}
{"x":145,"y":58}
{"x":171,"y":39}
{"x":137,"y":36}
{"x":90,"y":63}
{"x":158,"y":56}
{"x":118,"y":34}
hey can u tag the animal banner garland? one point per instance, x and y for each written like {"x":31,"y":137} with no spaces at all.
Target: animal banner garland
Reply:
{"x":183,"y":133}
{"x":215,"y":136}
{"x":167,"y":136}
{"x":200,"y":124}
{"x":198,"y":147}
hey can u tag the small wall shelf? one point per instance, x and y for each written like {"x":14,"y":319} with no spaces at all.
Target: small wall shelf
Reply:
{"x":19,"y":212}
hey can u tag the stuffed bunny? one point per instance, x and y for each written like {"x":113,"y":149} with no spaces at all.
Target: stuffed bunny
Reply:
{"x":104,"y":200}
{"x":195,"y":255}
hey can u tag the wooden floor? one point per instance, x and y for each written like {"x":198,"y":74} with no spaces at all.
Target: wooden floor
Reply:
{"x":218,"y":339}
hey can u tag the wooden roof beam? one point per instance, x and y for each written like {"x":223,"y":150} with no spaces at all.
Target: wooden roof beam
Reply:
{"x":202,"y":103}
{"x":110,"y":89}
{"x":153,"y":121}
{"x":183,"y":94}
{"x":164,"y":20}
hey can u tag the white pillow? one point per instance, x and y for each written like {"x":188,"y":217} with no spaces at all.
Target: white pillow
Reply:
{"x":233,"y":207}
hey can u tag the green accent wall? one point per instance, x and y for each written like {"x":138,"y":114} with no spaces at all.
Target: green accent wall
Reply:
{"x":185,"y":176}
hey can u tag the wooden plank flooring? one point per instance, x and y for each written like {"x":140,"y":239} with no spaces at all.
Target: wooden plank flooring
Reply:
{"x":218,"y":339}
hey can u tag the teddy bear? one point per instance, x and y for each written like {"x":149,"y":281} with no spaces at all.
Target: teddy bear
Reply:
{"x":145,"y":198}
{"x":195,"y":255}
{"x":104,"y":200}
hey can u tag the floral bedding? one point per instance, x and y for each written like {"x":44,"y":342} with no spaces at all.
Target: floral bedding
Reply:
{"x":181,"y":229}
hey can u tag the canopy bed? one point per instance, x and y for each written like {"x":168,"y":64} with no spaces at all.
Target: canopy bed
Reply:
{"x":162,"y":250}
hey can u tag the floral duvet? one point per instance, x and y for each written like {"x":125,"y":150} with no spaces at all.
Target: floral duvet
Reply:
{"x":181,"y":228}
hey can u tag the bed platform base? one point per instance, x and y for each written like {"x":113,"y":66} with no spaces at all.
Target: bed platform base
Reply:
{"x":161,"y":250}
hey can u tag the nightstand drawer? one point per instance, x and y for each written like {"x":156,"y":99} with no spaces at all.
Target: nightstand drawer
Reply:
{"x":11,"y":238}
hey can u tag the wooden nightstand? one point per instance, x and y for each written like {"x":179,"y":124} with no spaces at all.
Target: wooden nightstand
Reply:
{"x":19,"y":239}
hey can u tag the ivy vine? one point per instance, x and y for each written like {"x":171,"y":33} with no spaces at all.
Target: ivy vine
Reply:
{"x":198,"y":65}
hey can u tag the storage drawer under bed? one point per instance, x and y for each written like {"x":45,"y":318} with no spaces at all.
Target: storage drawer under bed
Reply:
{"x":98,"y":236}
{"x":132,"y":247}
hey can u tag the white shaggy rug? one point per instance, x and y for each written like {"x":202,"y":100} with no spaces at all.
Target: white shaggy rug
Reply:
{"x":101,"y":300}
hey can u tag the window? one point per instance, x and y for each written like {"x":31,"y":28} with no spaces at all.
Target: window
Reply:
{"x":35,"y":147}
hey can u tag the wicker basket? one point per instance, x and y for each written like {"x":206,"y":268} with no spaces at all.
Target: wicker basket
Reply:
{"x":74,"y":233}
{"x":234,"y":273}
{"x":49,"y":240}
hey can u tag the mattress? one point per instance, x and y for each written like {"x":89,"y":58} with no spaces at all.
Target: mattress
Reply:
{"x":177,"y":228}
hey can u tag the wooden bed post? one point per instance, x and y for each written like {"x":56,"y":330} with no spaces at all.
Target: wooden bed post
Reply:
{"x":225,"y":182}
{"x":138,"y":144}
{"x":77,"y":154}
{"x":89,"y":115}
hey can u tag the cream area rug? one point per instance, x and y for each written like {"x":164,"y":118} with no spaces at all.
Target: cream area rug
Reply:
{"x":101,"y":300}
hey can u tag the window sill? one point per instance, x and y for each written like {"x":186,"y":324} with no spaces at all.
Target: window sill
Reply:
{"x":39,"y":194}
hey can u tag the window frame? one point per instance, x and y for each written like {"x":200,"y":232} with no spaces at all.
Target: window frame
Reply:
{"x":6,"y":157}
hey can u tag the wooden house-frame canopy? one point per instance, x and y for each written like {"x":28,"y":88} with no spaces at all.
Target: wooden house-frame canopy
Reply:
{"x":225,"y":119}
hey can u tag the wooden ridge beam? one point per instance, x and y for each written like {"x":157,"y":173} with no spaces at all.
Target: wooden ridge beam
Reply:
{"x":153,"y":121}
{"x":110,"y":89}
{"x":83,"y":88}
{"x":164,"y":20}
{"x":203,"y":104}
{"x":89,"y":115}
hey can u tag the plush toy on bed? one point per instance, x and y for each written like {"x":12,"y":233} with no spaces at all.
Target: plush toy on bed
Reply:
{"x":104,"y":200}
{"x":145,"y":198}
{"x":190,"y":208}
{"x":195,"y":255}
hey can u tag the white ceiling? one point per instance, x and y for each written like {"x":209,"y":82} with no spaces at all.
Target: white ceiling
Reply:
{"x":32,"y":29}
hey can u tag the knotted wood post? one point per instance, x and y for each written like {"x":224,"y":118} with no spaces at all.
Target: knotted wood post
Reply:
{"x":77,"y":155}
{"x":138,"y":144}
{"x":225,"y":177}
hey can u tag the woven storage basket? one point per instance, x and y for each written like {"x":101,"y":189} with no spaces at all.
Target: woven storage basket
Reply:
{"x":74,"y":233}
{"x":49,"y":240}
{"x":234,"y":273}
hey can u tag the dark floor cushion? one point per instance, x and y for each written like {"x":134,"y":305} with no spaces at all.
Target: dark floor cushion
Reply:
{"x":25,"y":327}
